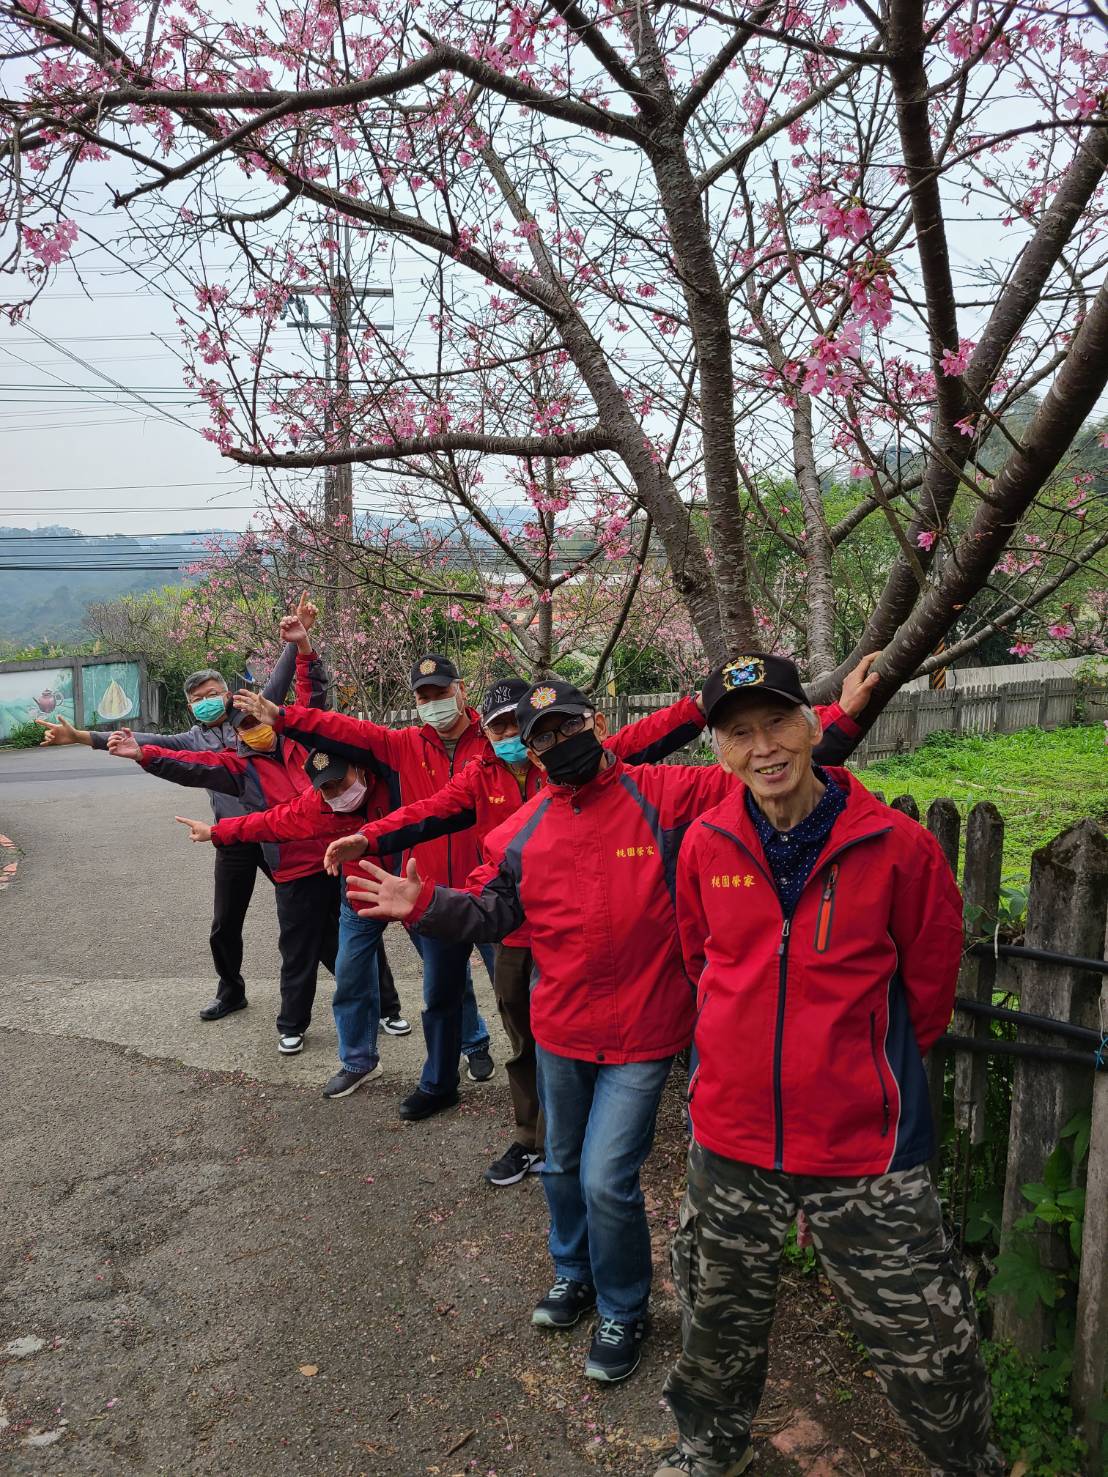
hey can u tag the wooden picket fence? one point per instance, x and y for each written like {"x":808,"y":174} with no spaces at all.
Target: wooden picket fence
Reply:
{"x":1067,"y":915}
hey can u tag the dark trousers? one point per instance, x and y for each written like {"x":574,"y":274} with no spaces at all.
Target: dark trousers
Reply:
{"x":511,"y":982}
{"x":236,"y":871}
{"x":390,"y":999}
{"x":308,"y":916}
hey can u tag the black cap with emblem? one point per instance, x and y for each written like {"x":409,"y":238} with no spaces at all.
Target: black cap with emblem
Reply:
{"x":323,"y":768}
{"x":549,"y":697}
{"x":759,"y":673}
{"x":502,"y":697}
{"x":433,"y":670}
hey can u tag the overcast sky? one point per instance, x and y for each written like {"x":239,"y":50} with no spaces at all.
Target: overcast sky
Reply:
{"x":94,"y":457}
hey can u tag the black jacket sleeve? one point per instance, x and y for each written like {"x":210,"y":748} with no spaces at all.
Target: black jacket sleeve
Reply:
{"x":485,"y":913}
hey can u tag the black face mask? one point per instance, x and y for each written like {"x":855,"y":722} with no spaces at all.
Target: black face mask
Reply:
{"x":575,"y":760}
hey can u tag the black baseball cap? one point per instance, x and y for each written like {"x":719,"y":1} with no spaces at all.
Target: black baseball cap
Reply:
{"x":433,"y":670}
{"x":502,"y":697}
{"x":322,"y":768}
{"x":759,"y":673}
{"x":549,"y":697}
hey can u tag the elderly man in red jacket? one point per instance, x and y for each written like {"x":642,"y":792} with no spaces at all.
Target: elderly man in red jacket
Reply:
{"x":823,"y":932}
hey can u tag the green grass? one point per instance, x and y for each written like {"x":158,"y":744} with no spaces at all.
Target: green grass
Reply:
{"x":1040,"y":782}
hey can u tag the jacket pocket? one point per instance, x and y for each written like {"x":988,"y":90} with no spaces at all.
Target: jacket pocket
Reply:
{"x":880,"y":1073}
{"x":826,"y":915}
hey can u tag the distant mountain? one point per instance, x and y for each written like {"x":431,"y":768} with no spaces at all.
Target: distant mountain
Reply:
{"x":48,"y":576}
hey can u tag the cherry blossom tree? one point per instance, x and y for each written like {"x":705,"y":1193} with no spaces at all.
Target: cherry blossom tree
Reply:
{"x":690,"y":269}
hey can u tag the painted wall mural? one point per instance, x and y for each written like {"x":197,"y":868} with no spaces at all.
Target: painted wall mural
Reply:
{"x":111,"y":692}
{"x":37,"y":692}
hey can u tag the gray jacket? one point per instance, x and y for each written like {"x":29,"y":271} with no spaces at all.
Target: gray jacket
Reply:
{"x":219,"y":735}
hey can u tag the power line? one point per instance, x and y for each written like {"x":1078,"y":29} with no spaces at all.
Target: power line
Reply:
{"x":114,"y":487}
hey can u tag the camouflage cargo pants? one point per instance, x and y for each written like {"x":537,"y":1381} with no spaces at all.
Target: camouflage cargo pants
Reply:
{"x":883,"y":1247}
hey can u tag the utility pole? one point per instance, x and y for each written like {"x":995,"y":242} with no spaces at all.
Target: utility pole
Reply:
{"x":340,"y":292}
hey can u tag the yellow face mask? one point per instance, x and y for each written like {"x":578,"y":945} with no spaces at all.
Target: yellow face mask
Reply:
{"x":260,"y":738}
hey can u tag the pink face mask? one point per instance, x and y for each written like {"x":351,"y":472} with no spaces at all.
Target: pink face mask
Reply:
{"x":350,"y":799}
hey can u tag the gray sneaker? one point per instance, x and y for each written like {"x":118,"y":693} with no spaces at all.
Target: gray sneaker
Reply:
{"x":480,"y":1065}
{"x":343,"y":1083}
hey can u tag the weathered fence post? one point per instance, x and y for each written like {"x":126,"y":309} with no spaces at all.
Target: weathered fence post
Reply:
{"x":906,"y":805}
{"x":1066,"y":910}
{"x":945,"y":824}
{"x":1090,"y":1349}
{"x":981,"y":892}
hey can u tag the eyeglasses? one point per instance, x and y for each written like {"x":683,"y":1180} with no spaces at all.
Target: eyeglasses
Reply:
{"x":542,"y":742}
{"x":498,"y":727}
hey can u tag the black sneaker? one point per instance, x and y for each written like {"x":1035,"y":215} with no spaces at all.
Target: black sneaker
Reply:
{"x":395,"y":1025}
{"x":680,"y":1464}
{"x":514,"y":1166}
{"x":290,"y":1043}
{"x":343,"y":1083}
{"x":480,"y":1065}
{"x":565,"y":1304}
{"x":216,"y":1009}
{"x":418,"y":1105}
{"x":616,"y":1349}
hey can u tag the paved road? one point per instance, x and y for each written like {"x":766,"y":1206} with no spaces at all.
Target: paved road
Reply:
{"x":106,"y":928}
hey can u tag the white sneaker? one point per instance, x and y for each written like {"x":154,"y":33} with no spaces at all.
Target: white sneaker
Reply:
{"x":395,"y":1025}
{"x":290,"y":1045}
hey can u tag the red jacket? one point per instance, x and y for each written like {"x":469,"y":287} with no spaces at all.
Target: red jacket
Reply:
{"x":592,"y":868}
{"x":811,"y":1031}
{"x":306,"y":817}
{"x":413,"y":763}
{"x":487,"y":792}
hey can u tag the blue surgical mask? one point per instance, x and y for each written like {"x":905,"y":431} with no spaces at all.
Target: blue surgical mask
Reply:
{"x":209,"y":709}
{"x":512,"y":750}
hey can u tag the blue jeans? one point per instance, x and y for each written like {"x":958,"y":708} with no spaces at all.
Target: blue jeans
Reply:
{"x":447,"y":983}
{"x":475,"y":1033}
{"x":599,"y":1129}
{"x":357,"y":1002}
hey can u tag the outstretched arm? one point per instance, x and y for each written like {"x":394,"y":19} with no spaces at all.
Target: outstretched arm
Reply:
{"x":487,"y":911}
{"x":280,"y":680}
{"x":220,"y":769}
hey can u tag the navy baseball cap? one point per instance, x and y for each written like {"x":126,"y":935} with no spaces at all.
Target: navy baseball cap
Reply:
{"x":549,"y":697}
{"x":322,"y":768}
{"x":433,"y":670}
{"x":758,"y":673}
{"x":502,"y":697}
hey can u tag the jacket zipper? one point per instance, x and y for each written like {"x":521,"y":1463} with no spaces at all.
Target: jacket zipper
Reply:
{"x":826,"y":910}
{"x":782,"y":972}
{"x":450,"y":834}
{"x":877,"y":1069}
{"x":779,"y":1044}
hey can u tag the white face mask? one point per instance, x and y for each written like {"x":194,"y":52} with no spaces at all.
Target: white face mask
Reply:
{"x":350,"y":799}
{"x":442,"y":714}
